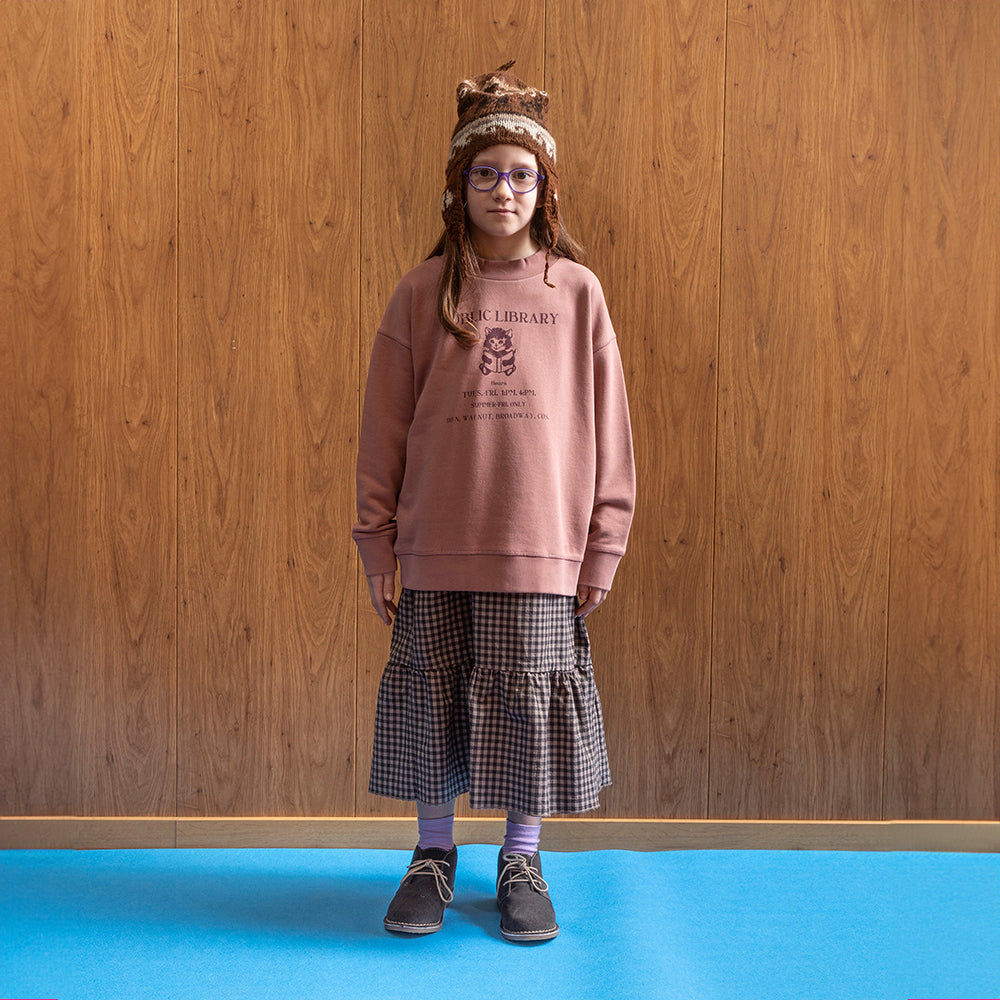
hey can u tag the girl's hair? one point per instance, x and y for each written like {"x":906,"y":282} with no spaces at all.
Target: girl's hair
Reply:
{"x":459,"y":257}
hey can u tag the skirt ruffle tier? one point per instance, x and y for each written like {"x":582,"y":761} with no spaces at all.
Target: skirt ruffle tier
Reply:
{"x":491,"y":694}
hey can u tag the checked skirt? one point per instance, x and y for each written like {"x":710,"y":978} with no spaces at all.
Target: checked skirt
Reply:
{"x":491,"y":694}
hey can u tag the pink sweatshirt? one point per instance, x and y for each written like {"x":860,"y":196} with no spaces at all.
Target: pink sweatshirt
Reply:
{"x":504,"y":468}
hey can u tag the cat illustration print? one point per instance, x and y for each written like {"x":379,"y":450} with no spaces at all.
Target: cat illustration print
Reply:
{"x":498,"y":352}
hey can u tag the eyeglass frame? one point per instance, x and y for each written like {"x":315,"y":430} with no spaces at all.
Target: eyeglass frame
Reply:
{"x":504,"y":176}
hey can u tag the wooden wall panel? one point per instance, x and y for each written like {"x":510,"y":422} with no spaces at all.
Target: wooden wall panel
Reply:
{"x":811,"y":227}
{"x":642,"y":184}
{"x":268,"y":292}
{"x":89,"y":616}
{"x":943,"y":705}
{"x":419,"y":53}
{"x":807,"y":623}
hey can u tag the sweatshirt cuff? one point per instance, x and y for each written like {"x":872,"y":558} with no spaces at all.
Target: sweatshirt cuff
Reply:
{"x":377,"y":555}
{"x":598,"y":569}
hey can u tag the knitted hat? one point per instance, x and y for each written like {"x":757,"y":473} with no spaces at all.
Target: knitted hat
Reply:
{"x":498,"y":109}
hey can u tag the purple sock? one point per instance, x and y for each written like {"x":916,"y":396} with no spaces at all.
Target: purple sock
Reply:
{"x":521,"y":839}
{"x":438,"y":833}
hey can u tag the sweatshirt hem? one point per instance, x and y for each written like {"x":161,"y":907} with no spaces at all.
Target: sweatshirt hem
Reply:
{"x":490,"y":573}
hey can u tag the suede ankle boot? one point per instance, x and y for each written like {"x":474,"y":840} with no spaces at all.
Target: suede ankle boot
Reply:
{"x":425,"y":891}
{"x":526,"y":912}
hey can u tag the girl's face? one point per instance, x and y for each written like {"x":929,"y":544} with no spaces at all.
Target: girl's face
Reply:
{"x":500,"y":220}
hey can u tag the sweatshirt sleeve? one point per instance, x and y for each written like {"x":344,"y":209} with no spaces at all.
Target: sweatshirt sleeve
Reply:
{"x":614,"y":489}
{"x":385,"y":424}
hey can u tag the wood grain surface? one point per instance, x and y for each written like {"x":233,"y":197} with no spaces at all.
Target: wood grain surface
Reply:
{"x":642,"y":186}
{"x":89,"y":426}
{"x":811,"y":230}
{"x":792,"y":208}
{"x":943,"y":677}
{"x":268,"y":293}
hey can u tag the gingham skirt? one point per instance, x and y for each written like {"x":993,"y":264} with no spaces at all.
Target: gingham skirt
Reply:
{"x":491,"y":694}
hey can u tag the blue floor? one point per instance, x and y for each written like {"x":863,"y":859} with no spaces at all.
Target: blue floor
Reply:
{"x":697,"y":925}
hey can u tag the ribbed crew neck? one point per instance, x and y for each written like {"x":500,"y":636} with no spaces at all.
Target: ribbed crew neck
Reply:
{"x":512,"y":270}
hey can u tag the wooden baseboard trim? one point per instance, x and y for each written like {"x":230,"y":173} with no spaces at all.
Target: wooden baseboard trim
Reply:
{"x":112,"y":833}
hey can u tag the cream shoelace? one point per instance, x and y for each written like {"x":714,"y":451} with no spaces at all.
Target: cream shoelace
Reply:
{"x":519,"y":869}
{"x":431,"y":866}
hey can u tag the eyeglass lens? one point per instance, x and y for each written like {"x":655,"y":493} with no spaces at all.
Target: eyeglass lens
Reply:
{"x":522,"y":180}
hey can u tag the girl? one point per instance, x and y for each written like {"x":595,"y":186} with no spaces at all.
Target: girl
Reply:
{"x":495,"y":465}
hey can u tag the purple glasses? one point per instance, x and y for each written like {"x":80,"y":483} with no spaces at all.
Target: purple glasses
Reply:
{"x":521,"y":180}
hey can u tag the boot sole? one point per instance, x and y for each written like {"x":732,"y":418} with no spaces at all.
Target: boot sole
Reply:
{"x":412,"y":928}
{"x":520,"y":937}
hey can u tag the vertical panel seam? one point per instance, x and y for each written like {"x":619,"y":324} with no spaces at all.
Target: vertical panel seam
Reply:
{"x":718,"y":363}
{"x":545,"y":46}
{"x":358,"y":401}
{"x":902,"y":343}
{"x":177,"y":412}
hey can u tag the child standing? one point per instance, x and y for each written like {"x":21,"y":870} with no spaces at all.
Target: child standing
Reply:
{"x":495,"y":465}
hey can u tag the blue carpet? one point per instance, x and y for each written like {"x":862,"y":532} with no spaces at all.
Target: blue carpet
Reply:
{"x":697,"y":925}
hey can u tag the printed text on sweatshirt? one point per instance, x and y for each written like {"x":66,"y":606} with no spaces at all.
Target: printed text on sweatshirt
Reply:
{"x":504,"y":468}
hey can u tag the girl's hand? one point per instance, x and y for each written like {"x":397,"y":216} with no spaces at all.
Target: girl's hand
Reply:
{"x":382,"y":588}
{"x":587,"y":599}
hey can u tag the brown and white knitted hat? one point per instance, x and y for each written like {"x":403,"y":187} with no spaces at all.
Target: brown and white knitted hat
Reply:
{"x":497,"y":109}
